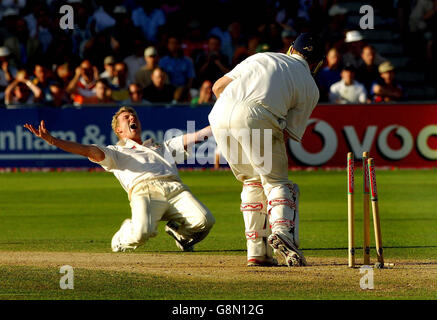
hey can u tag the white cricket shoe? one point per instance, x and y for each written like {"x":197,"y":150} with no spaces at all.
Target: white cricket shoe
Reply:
{"x":115,"y":242}
{"x":262,"y":262}
{"x":171,"y":228}
{"x":293,"y":257}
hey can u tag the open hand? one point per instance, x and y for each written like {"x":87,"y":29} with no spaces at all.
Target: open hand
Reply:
{"x":42,"y":132}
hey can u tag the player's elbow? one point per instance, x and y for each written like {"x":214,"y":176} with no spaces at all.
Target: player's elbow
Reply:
{"x":95,"y":154}
{"x":215,"y":88}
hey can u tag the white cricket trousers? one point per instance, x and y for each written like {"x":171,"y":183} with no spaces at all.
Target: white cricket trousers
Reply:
{"x":260,"y":163}
{"x":163,"y":200}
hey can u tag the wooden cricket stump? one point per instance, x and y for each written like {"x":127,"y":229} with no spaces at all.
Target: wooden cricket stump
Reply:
{"x":375,"y":211}
{"x":366,"y":216}
{"x":350,"y":210}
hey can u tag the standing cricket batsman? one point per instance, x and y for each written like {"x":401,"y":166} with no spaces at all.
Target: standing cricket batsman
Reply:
{"x":147,"y":172}
{"x":261,"y":99}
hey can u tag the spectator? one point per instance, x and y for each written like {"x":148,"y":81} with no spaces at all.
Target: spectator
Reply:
{"x":102,"y":94}
{"x":119,"y":86}
{"x":135,"y":61}
{"x":221,"y":30}
{"x":22,"y":91}
{"x":158,"y":90}
{"x":212,"y":64}
{"x":108,"y":65}
{"x":135,"y":95}
{"x":387,"y":89}
{"x":142,"y":77}
{"x":347,"y":90}
{"x":42,"y":80}
{"x":148,"y":19}
{"x":101,"y":20}
{"x":330,"y":74}
{"x":179,"y":68}
{"x":7,"y":72}
{"x":83,"y":82}
{"x":367,"y":72}
{"x":24,"y":49}
{"x":63,"y":74}
{"x":355,"y":44}
{"x":205,"y":95}
{"x":58,"y":95}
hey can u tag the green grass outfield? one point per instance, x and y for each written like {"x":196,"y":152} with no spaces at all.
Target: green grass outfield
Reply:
{"x":80,"y":211}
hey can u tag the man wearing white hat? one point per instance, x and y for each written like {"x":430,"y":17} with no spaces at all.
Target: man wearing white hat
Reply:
{"x":355,"y":43}
{"x":7,"y":72}
{"x":143,"y":76}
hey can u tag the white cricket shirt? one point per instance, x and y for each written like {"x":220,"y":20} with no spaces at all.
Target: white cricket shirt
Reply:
{"x":131,"y":162}
{"x":283,"y":84}
{"x":342,"y":93}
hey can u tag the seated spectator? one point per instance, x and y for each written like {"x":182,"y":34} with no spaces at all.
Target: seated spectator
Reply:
{"x":148,"y":17}
{"x":83,"y":82}
{"x":135,"y":95}
{"x":108,"y":65}
{"x":387,"y":88}
{"x":63,"y":74}
{"x":347,"y":90}
{"x":158,"y":90}
{"x":206,"y":95}
{"x":43,"y":79}
{"x":142,"y":76}
{"x":24,"y":48}
{"x":119,"y":86}
{"x":180,"y":69}
{"x":22,"y":91}
{"x":329,"y":75}
{"x":58,"y":95}
{"x":135,"y":61}
{"x":211,"y":64}
{"x":7,"y":72}
{"x":102,"y":94}
{"x":355,"y":44}
{"x":367,"y":72}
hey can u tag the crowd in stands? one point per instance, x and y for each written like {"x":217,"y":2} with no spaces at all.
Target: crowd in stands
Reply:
{"x":172,"y":52}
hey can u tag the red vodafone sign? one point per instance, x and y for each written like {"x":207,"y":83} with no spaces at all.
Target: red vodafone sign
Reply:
{"x":400,"y":135}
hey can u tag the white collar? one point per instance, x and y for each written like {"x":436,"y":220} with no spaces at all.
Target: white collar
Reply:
{"x":301,"y":59}
{"x":129,"y":143}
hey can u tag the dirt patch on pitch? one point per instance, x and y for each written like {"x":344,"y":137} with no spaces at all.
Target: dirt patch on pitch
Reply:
{"x":406,"y":273}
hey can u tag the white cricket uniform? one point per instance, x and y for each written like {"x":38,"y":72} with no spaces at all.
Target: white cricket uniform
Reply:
{"x":342,"y":93}
{"x":149,"y":175}
{"x":269,"y":91}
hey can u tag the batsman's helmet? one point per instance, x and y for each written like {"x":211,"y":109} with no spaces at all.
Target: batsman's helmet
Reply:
{"x":310,"y":46}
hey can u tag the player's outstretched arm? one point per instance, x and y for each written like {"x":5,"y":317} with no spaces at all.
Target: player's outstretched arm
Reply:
{"x":198,"y":136}
{"x":88,"y":151}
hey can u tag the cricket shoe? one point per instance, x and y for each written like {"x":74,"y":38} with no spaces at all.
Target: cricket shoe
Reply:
{"x":263,"y":262}
{"x":116,"y":244}
{"x":171,"y":228}
{"x":293,"y":257}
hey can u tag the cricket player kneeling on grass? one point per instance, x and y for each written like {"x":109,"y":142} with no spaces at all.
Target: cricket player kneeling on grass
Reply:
{"x":261,"y":99}
{"x":147,"y":172}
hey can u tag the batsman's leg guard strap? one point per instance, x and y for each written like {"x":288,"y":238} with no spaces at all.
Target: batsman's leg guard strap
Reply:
{"x":251,"y":206}
{"x":281,"y":202}
{"x":255,"y":234}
